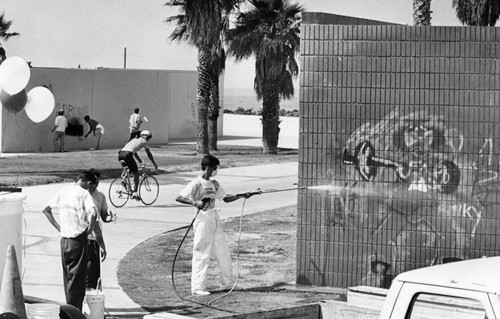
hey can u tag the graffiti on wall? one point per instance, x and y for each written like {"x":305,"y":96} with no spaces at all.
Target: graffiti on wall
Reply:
{"x":418,"y":192}
{"x":71,"y":110}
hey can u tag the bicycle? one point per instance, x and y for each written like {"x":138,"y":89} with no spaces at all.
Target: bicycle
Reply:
{"x":120,"y":189}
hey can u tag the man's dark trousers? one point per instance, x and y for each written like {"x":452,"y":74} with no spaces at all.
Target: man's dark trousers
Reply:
{"x":94,"y":265}
{"x":74,"y":261}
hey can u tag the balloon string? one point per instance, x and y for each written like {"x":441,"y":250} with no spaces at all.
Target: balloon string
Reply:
{"x":4,"y":127}
{"x":18,"y":157}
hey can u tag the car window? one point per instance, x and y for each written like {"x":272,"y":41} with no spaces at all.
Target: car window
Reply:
{"x":440,"y":306}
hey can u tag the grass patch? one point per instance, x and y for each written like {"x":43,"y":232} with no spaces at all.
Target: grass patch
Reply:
{"x":45,"y":168}
{"x":266,"y":261}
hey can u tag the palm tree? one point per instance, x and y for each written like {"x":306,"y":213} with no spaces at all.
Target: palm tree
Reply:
{"x":422,"y":12}
{"x":199,"y":23}
{"x":218,"y":65}
{"x":4,"y":34}
{"x":270,"y":32}
{"x":4,"y":28}
{"x":477,"y":12}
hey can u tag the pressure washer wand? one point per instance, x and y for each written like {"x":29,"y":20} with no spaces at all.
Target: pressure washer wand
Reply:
{"x":266,"y":191}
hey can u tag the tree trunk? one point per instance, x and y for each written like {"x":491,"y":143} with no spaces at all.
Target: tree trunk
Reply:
{"x":270,"y":118}
{"x":203,"y":97}
{"x":212,"y":135}
{"x":213,"y":112}
{"x":422,"y":12}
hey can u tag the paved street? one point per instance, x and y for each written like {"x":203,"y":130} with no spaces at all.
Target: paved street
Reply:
{"x":41,"y":269}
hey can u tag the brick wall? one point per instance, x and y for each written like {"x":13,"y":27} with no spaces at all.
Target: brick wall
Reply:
{"x":399,"y":150}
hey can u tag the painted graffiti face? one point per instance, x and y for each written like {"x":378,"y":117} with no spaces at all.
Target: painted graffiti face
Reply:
{"x":418,"y":148}
{"x":431,"y":194}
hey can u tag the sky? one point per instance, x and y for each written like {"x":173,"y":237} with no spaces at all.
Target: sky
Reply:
{"x":95,"y":33}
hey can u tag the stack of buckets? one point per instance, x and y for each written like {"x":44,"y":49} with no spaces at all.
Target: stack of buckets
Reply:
{"x":11,"y":219}
{"x":42,"y":311}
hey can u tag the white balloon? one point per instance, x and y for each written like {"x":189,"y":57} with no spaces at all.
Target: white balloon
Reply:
{"x":14,"y":75}
{"x":40,"y":104}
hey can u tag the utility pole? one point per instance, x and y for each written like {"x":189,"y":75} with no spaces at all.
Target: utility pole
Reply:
{"x":125,"y":57}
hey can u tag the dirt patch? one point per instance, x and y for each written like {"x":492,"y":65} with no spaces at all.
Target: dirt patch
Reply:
{"x":264,"y":260}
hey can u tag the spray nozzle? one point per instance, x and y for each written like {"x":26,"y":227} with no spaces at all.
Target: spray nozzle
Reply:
{"x":250,"y":194}
{"x":206,"y":202}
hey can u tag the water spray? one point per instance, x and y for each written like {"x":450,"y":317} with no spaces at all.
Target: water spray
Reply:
{"x":245,"y":196}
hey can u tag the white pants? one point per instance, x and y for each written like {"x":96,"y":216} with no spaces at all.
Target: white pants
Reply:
{"x":100,"y":128}
{"x":209,"y":240}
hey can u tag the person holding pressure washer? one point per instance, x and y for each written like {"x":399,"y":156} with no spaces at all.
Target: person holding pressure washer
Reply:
{"x":209,"y":236}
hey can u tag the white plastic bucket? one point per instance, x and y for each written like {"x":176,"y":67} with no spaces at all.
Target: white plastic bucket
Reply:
{"x":11,"y":219}
{"x":93,"y":306}
{"x":42,"y":311}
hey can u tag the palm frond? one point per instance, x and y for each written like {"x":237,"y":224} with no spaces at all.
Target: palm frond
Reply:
{"x":477,"y":12}
{"x":4,"y":28}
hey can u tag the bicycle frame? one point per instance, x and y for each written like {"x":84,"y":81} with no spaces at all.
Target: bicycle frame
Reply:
{"x":126,"y":176}
{"x":121,"y":188}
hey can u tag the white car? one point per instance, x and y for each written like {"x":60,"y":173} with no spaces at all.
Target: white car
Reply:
{"x":465,"y":289}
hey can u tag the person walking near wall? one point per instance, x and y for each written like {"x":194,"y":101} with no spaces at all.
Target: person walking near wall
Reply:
{"x":94,"y":127}
{"x":209,"y":238}
{"x":97,"y":253}
{"x":60,"y":125}
{"x":135,"y":122}
{"x":77,"y":218}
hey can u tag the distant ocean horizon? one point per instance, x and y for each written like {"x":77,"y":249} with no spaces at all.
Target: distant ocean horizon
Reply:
{"x":247,"y":99}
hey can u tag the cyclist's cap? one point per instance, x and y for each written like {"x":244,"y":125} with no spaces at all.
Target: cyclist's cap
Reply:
{"x":209,"y":161}
{"x":147,"y":133}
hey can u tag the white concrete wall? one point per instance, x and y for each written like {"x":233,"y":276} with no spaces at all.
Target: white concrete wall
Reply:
{"x":251,"y":126}
{"x":166,"y":98}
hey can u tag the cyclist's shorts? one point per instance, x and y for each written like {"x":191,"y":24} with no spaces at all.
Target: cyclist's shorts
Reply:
{"x":128,"y":157}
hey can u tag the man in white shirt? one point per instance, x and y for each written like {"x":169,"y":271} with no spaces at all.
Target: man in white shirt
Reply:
{"x":135,"y":122}
{"x":209,"y":239}
{"x":60,"y":125}
{"x":77,"y":218}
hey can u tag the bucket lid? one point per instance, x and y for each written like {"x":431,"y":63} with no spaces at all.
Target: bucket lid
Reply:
{"x":11,"y":197}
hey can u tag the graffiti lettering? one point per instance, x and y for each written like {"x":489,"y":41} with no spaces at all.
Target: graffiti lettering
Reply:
{"x":72,"y":110}
{"x":469,"y":211}
{"x":485,"y":160}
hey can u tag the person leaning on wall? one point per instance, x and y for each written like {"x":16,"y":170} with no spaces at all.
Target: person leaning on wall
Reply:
{"x":96,"y":128}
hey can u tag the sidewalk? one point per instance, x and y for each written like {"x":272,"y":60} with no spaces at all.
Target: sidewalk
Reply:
{"x":41,"y":268}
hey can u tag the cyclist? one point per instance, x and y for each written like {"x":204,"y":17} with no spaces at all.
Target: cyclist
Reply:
{"x":129,"y":151}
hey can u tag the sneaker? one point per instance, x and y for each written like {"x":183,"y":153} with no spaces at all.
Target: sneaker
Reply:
{"x":135,"y":196}
{"x":201,"y":293}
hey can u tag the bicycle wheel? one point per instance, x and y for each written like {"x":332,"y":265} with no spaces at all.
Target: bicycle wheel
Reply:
{"x":118,"y":194}
{"x":149,"y":190}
